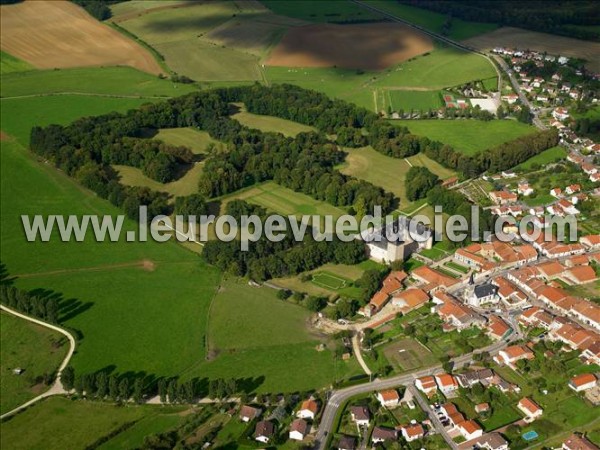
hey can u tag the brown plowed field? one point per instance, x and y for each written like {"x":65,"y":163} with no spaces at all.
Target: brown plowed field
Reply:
{"x":524,"y":39}
{"x":51,"y":34}
{"x":365,"y":46}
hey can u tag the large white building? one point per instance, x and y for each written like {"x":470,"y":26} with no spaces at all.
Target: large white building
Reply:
{"x":397,"y":240}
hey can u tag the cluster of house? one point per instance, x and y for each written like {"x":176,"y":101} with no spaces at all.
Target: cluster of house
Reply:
{"x":578,"y":442}
{"x":588,"y":168}
{"x":265,"y":430}
{"x":361,"y":416}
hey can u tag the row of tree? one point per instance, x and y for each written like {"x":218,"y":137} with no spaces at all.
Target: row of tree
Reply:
{"x":553,"y":16}
{"x":41,"y":306}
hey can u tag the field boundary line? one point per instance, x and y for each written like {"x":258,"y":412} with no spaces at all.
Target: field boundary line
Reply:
{"x":85,"y":94}
{"x":57,"y":387}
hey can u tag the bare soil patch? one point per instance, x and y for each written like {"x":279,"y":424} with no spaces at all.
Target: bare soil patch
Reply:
{"x":56,"y":34}
{"x":364,"y":46}
{"x":554,"y":45}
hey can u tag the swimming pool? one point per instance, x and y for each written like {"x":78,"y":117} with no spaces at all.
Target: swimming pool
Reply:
{"x":530,"y":435}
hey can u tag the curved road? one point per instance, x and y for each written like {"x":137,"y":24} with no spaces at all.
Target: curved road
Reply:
{"x":57,"y":387}
{"x":341,"y":396}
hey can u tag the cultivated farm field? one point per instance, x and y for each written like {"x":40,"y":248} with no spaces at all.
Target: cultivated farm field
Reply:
{"x":468,"y":136}
{"x":28,"y":346}
{"x":61,"y":34}
{"x":363,"y":46}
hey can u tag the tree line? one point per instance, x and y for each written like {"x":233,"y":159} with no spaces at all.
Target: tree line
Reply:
{"x":42,"y":307}
{"x":554,"y":16}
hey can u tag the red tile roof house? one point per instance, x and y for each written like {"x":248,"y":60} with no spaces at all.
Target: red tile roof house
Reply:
{"x":503,"y":197}
{"x":579,"y":275}
{"x":497,"y":328}
{"x":482,"y":407}
{"x":576,"y":442}
{"x":412,"y":432}
{"x":299,"y":429}
{"x":308,"y":410}
{"x":530,"y":408}
{"x":510,"y":355}
{"x":446,"y":383}
{"x":426,"y":385}
{"x":470,"y":429}
{"x":591,"y":241}
{"x":410,"y":299}
{"x":583,"y":382}
{"x":389,"y":398}
{"x":264,"y":431}
{"x":249,"y":413}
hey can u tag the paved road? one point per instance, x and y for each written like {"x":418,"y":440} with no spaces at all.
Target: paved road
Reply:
{"x":435,"y":420}
{"x":339,"y":397}
{"x":57,"y":388}
{"x":358,"y":354}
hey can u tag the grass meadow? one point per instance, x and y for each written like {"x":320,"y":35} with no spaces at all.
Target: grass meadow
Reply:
{"x":61,"y":423}
{"x":118,"y":81}
{"x":419,"y":78}
{"x":321,"y":11}
{"x":140,"y":307}
{"x":31,"y":347}
{"x":271,"y":124}
{"x":10,"y":64}
{"x":468,"y":136}
{"x":389,"y":173}
{"x":546,"y":157}
{"x":423,"y":100}
{"x":196,"y":140}
{"x":279,"y":199}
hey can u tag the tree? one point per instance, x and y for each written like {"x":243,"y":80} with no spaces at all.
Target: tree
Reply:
{"x":124,"y":391}
{"x":138,"y":390}
{"x":419,"y":181}
{"x":67,"y":377}
{"x":113,"y":387}
{"x":162,"y":390}
{"x":101,"y":385}
{"x":315,"y":303}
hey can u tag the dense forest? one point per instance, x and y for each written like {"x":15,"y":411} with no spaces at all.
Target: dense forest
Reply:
{"x":551,"y":16}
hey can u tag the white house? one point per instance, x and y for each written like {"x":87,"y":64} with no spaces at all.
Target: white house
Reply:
{"x":470,"y":429}
{"x":583,"y":382}
{"x":299,"y":430}
{"x":413,"y":432}
{"x":308,"y":410}
{"x":530,"y":408}
{"x":264,"y":431}
{"x":446,"y":383}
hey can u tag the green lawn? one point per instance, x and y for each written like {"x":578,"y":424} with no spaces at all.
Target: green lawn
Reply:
{"x":387,"y":172}
{"x":60,"y":423}
{"x":433,"y":21}
{"x":441,"y":68}
{"x":271,"y":124}
{"x":468,"y":136}
{"x":248,"y":318}
{"x":329,"y":281}
{"x":185,"y":185}
{"x":407,"y":100}
{"x":546,"y":157}
{"x":124,"y":81}
{"x":10,"y":64}
{"x":35,"y":349}
{"x":196,"y":140}
{"x":279,"y":199}
{"x":133,"y":437}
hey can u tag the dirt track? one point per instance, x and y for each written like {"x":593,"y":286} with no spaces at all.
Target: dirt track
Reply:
{"x":56,"y":34}
{"x":525,"y":39}
{"x":366,"y":46}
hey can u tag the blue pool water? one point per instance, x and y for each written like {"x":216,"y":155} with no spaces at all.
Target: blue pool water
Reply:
{"x":530,"y":435}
